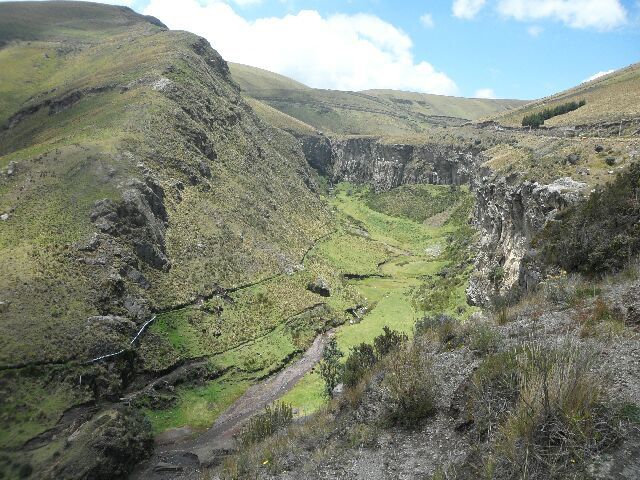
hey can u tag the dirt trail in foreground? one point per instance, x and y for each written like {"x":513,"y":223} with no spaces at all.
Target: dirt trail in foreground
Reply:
{"x":179,"y":458}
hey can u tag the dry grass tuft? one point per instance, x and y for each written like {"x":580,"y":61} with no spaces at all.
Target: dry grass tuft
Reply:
{"x":560,"y":419}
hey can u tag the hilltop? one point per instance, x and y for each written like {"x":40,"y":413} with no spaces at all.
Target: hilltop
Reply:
{"x":610,"y":99}
{"x":373,"y":112}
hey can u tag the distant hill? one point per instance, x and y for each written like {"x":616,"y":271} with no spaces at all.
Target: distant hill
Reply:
{"x":611,"y":98}
{"x":373,"y":112}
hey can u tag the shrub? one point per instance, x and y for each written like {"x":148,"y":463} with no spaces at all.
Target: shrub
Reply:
{"x":500,"y":306}
{"x":388,"y":341}
{"x":482,"y":338}
{"x":560,"y":290}
{"x":329,"y":366}
{"x":599,"y":235}
{"x":361,"y":359}
{"x":600,"y":318}
{"x":496,"y":275}
{"x":494,"y":391}
{"x":410,"y":385}
{"x":443,"y":327}
{"x":559,"y":420}
{"x":363,"y":435}
{"x":266,"y":424}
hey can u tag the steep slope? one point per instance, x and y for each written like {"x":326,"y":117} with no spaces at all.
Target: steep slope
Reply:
{"x":611,"y":99}
{"x":134,"y":179}
{"x":374,"y":112}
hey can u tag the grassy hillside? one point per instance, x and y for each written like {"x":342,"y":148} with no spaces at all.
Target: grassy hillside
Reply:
{"x":441,"y":105}
{"x":611,"y":98}
{"x":374,"y":112}
{"x":134,"y":179}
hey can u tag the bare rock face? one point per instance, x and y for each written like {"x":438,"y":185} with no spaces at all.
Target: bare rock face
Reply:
{"x":141,"y":215}
{"x":508,"y":216}
{"x":106,"y":447}
{"x":386,"y":166}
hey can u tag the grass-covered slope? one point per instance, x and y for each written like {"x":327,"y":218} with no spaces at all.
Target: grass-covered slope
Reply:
{"x":375,"y":112}
{"x":164,"y":136}
{"x":609,"y":99}
{"x":134,"y":178}
{"x":447,"y":106}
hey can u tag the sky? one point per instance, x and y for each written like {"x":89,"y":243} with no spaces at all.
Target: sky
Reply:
{"x":475,"y":48}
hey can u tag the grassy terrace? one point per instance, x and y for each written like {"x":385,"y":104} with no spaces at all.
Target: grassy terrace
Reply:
{"x":395,"y":256}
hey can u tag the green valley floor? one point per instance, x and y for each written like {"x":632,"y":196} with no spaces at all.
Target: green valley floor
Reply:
{"x":391,"y":258}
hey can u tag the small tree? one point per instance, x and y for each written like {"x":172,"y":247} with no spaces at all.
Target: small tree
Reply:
{"x":361,"y":359}
{"x":330,"y":368}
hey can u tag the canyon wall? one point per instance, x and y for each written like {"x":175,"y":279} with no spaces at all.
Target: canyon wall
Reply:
{"x":389,"y":165}
{"x":508,"y":211}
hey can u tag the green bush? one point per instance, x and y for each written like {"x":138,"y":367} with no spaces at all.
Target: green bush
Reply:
{"x":560,"y":418}
{"x":330,"y":367}
{"x":360,"y":360}
{"x":266,"y":424}
{"x":494,"y":391}
{"x":443,"y":327}
{"x":496,"y":275}
{"x":388,"y":341}
{"x":482,"y":338}
{"x":537,"y":119}
{"x":599,"y":235}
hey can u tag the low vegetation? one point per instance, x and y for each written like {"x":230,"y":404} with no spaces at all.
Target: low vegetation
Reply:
{"x":330,"y":368}
{"x":410,"y":386}
{"x":559,"y":418}
{"x":600,"y":234}
{"x":535,"y":406}
{"x":264,"y":424}
{"x":415,"y":201}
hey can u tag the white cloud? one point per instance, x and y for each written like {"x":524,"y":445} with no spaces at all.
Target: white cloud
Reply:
{"x":597,"y":75}
{"x":597,"y":14}
{"x":467,"y":9}
{"x":346,"y":52}
{"x":535,"y":31}
{"x":427,"y":20}
{"x":484,"y":93}
{"x":244,"y":3}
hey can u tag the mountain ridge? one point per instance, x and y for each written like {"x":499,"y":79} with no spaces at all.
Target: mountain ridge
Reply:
{"x":368,"y":112}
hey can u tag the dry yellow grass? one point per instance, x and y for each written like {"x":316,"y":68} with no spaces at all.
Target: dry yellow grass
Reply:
{"x":610,"y":98}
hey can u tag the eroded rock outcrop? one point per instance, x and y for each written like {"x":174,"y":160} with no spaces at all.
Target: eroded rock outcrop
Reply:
{"x":508,"y":215}
{"x":389,"y":165}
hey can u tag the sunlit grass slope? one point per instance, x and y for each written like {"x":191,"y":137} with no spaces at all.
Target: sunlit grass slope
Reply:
{"x":374,"y":112}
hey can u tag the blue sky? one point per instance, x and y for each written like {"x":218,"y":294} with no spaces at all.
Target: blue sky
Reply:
{"x":503,"y":48}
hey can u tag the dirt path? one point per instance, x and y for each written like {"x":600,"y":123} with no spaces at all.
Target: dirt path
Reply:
{"x":179,"y":458}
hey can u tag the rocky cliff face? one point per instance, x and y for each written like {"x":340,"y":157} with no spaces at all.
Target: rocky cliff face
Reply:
{"x":508,"y":215}
{"x":389,"y":165}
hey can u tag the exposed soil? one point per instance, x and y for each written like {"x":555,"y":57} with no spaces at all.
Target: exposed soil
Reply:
{"x":179,"y":454}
